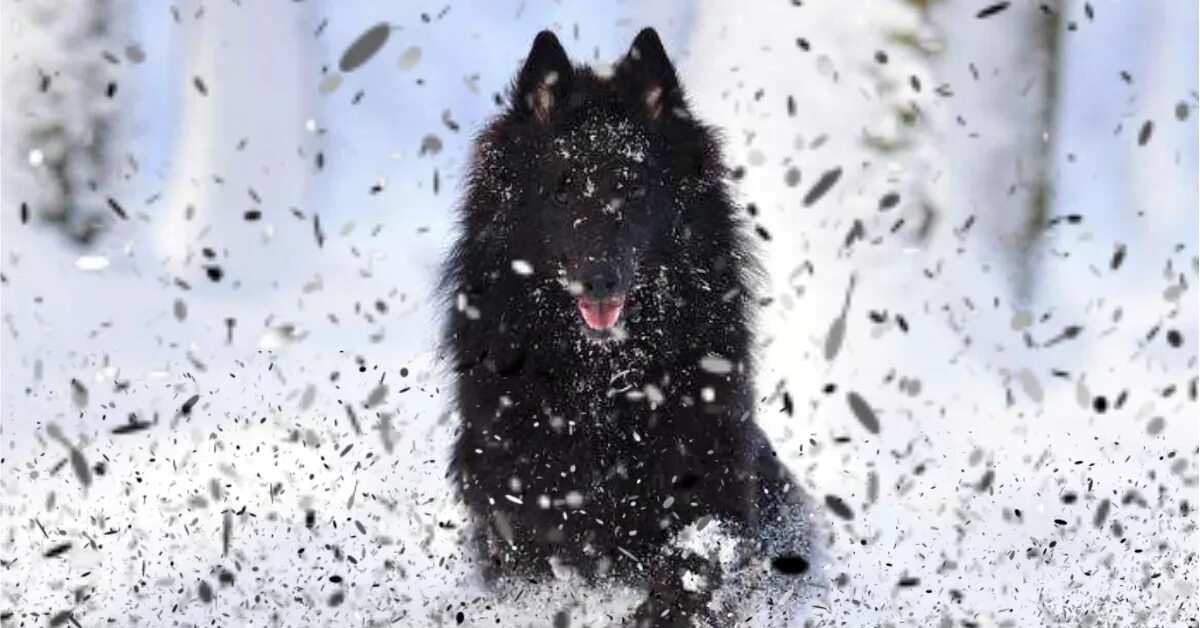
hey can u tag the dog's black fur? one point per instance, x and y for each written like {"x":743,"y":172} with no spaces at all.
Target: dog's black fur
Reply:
{"x":591,"y":449}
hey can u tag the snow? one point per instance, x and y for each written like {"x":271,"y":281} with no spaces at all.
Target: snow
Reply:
{"x":296,"y":354}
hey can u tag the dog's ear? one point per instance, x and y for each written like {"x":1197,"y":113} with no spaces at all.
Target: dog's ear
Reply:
{"x":647,"y":79}
{"x":545,"y":80}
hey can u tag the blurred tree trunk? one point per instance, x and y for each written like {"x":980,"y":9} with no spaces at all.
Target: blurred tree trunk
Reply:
{"x":1040,"y":176}
{"x":61,"y":68}
{"x":245,"y":138}
{"x":1004,"y":70}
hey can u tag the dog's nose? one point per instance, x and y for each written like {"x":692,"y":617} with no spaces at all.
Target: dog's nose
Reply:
{"x":600,"y":283}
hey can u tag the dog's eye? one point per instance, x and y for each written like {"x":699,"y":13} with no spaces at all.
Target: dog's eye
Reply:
{"x":560,"y":190}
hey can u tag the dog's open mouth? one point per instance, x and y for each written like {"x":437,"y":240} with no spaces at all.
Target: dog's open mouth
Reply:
{"x":601,"y":313}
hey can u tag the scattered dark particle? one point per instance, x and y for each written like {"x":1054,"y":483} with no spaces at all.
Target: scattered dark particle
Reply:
{"x":857,"y":232}
{"x":881,"y":56}
{"x":320,"y":235}
{"x":1118,"y":256}
{"x":310,"y":518}
{"x":1146,"y":132}
{"x":320,"y":159}
{"x":1069,"y":498}
{"x":459,"y":618}
{"x":863,"y":412}
{"x":1100,"y":404}
{"x":1174,"y":338}
{"x":111,"y":90}
{"x":79,"y":394}
{"x":24,"y":213}
{"x":226,"y":578}
{"x":336,"y":598}
{"x":791,"y":106}
{"x":226,"y":532}
{"x":186,"y":408}
{"x":353,"y":419}
{"x":1060,"y":522}
{"x":61,"y":618}
{"x":215,"y":273}
{"x":762,"y":233}
{"x":688,"y":481}
{"x":1125,"y":76}
{"x":1068,"y":333}
{"x":252,"y":215}
{"x":803,"y":44}
{"x":562,"y":619}
{"x":837,"y":330}
{"x":200,"y":86}
{"x":79,"y":465}
{"x":823,"y":185}
{"x":788,"y":407}
{"x":132,"y":426}
{"x":206,"y":592}
{"x":752,"y":209}
{"x":365,"y":47}
{"x":57,"y":550}
{"x":1181,"y":111}
{"x":1101,"y":513}
{"x":134,"y":53}
{"x":991,"y":10}
{"x":838,"y":506}
{"x":909,"y":581}
{"x":985,"y":482}
{"x":117,"y":209}
{"x":790,"y":564}
{"x":1088,"y":11}
{"x":889,"y":200}
{"x":792,"y":177}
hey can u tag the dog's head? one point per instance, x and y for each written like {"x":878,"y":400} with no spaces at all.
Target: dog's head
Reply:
{"x":602,"y":180}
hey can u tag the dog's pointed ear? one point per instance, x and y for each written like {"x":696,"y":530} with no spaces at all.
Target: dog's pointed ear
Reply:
{"x":647,"y":79}
{"x":545,"y":80}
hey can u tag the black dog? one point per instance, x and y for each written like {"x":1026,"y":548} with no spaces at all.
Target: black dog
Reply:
{"x":600,"y":338}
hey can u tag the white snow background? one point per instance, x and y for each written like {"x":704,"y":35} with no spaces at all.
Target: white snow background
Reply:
{"x":983,"y":413}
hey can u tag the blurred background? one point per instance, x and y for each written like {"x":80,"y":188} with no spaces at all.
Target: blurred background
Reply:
{"x":220,"y":233}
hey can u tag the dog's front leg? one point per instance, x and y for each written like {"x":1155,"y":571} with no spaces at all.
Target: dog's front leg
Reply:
{"x":680,"y":591}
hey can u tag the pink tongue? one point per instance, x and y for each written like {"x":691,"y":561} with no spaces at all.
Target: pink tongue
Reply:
{"x":600,"y":314}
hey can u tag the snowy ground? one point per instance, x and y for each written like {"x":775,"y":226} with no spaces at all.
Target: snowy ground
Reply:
{"x":1037,"y":457}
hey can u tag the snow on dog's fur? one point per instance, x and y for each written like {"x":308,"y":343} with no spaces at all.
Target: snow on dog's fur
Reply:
{"x":599,"y":332}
